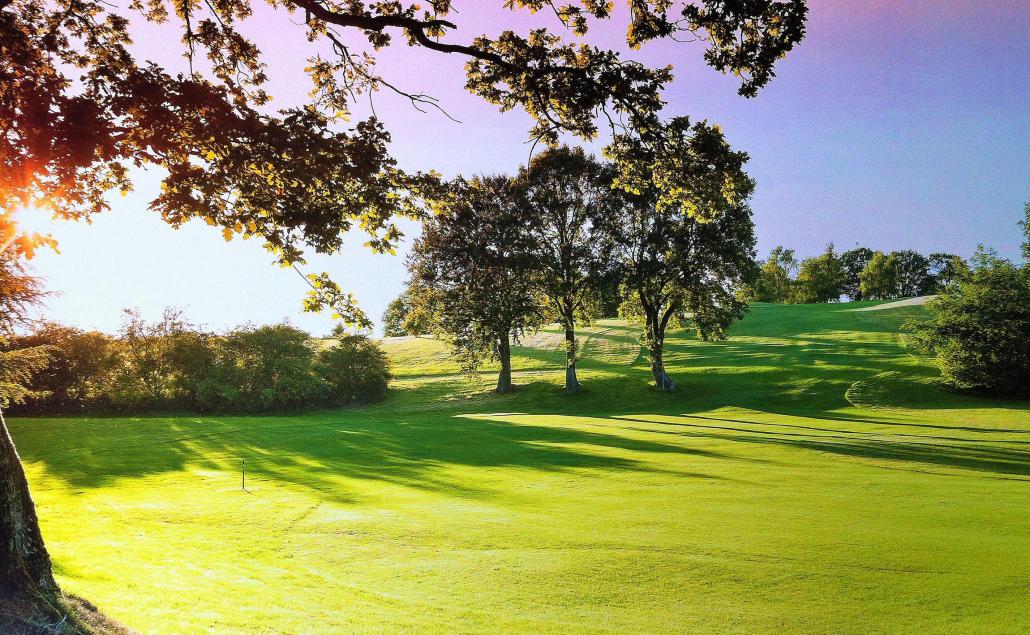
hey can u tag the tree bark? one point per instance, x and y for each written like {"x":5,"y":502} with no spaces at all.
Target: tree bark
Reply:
{"x":571,"y":381}
{"x":504,"y":377}
{"x":26,"y":574}
{"x":655,"y":336}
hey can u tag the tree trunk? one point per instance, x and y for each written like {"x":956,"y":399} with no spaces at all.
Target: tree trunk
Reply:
{"x":26,"y":575}
{"x":504,"y":377}
{"x":571,"y":382}
{"x":655,"y":336}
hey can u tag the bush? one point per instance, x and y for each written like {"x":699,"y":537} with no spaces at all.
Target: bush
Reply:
{"x":979,"y":329}
{"x":170,"y":365}
{"x":269,"y":368}
{"x":356,"y":370}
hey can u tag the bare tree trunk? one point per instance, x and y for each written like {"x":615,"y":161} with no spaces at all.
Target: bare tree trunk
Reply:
{"x":26,"y":574}
{"x":655,"y":336}
{"x":571,"y":382}
{"x":504,"y":377}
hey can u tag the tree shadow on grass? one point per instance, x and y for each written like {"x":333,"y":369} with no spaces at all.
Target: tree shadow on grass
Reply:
{"x":983,"y":456}
{"x":323,"y":452}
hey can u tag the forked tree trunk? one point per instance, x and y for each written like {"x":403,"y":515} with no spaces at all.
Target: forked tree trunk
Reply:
{"x":662,"y":381}
{"x":26,"y":574}
{"x":504,"y":376}
{"x":571,"y":382}
{"x":654,"y":334}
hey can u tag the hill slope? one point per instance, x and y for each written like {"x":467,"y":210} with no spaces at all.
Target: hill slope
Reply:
{"x":808,"y":476}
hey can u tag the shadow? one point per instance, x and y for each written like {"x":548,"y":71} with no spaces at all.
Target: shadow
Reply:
{"x":970,"y":455}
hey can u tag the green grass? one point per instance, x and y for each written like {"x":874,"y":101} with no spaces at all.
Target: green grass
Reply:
{"x":808,"y":476}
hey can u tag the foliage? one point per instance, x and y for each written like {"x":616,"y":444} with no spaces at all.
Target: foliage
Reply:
{"x":821,"y":278}
{"x":1025,"y":225}
{"x":854,"y":262}
{"x":979,"y":328}
{"x":79,"y":372}
{"x":408,"y":314}
{"x":946,"y":270}
{"x":355,"y":369}
{"x":80,"y":108}
{"x":879,"y":279}
{"x":19,"y":292}
{"x":684,"y":259}
{"x":171,"y":365}
{"x":914,"y":277}
{"x":774,"y":282}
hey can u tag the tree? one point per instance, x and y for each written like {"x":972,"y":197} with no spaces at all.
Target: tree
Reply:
{"x":914,"y":277}
{"x":879,"y":279}
{"x":79,"y":369}
{"x":567,"y":194}
{"x":25,"y":570}
{"x":946,"y":270}
{"x":854,"y":261}
{"x":683,"y":260}
{"x":475,"y":255}
{"x":821,"y":278}
{"x":393,"y":316}
{"x":979,"y":328}
{"x":774,"y":282}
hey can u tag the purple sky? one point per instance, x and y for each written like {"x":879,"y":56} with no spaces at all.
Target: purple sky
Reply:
{"x":893,"y":125}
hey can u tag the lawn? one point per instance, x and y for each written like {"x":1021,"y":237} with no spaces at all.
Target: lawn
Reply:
{"x":808,"y":476}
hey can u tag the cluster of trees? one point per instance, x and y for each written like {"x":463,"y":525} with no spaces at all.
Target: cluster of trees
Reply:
{"x":979,"y":327}
{"x":503,"y":255}
{"x":858,"y":274}
{"x":171,"y":365}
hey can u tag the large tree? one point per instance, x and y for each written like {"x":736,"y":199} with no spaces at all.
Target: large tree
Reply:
{"x":567,"y":196}
{"x":475,"y":255}
{"x":686,"y":257}
{"x":79,"y":111}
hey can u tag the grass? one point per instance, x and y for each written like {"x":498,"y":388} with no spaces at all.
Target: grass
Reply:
{"x":808,"y":476}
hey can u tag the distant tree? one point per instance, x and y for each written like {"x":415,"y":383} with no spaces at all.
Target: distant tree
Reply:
{"x":821,"y":278}
{"x":946,"y":270}
{"x":263,"y":369}
{"x":979,"y":328}
{"x":914,"y":277}
{"x":393,"y":316}
{"x":355,"y":369}
{"x":1025,"y":224}
{"x":683,"y":261}
{"x":854,"y":261}
{"x":79,"y":371}
{"x":879,"y":279}
{"x":775,"y":276}
{"x":475,"y":257}
{"x":567,"y":195}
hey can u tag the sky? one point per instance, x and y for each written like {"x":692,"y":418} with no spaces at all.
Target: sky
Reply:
{"x":895,"y":124}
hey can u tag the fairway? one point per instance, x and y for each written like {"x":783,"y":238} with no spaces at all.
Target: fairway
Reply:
{"x":807,"y":476}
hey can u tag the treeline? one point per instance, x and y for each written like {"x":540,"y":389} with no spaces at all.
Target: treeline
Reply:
{"x":171,"y":365}
{"x":857,"y":274}
{"x":572,"y":238}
